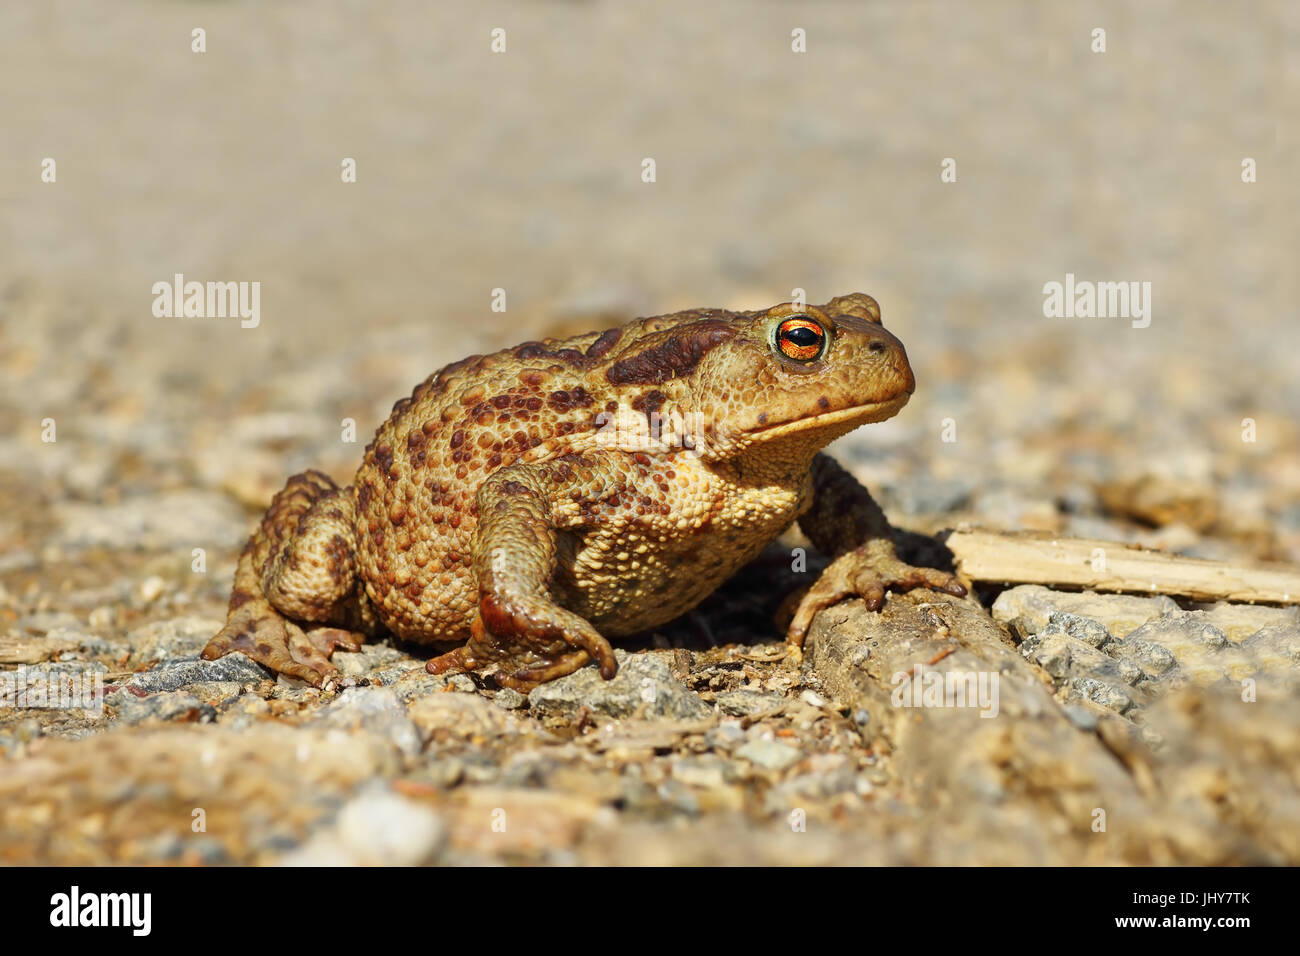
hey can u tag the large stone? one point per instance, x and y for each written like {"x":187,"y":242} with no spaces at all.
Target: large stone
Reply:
{"x":175,"y":705}
{"x":1118,"y":613}
{"x":176,"y":674}
{"x":178,"y":637}
{"x":643,"y":687}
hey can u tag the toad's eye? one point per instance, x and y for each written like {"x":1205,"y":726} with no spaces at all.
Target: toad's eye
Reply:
{"x":801,"y":339}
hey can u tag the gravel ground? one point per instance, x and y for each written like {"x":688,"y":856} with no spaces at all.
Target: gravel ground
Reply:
{"x":1179,"y":722}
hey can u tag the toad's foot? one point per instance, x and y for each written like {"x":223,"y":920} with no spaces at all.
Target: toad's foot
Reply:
{"x":525,"y":661}
{"x":264,"y":634}
{"x":866,"y":572}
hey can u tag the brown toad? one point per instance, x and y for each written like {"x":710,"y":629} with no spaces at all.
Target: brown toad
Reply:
{"x":542,"y":499}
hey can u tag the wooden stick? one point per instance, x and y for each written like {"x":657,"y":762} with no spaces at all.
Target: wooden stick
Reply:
{"x":1037,"y":558}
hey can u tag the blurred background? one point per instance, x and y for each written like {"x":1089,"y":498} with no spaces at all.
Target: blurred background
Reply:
{"x":522,"y":170}
{"x":776,"y":170}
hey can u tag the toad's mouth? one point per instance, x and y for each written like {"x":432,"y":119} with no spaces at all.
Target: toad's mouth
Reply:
{"x":846,"y":418}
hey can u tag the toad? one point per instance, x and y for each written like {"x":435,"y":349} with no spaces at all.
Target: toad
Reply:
{"x":532,"y":504}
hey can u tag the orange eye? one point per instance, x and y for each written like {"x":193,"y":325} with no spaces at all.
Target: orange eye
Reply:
{"x":801,"y":339}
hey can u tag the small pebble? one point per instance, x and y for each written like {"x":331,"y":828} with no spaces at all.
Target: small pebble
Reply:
{"x":813,"y":699}
{"x":769,"y":754}
{"x":152,"y":588}
{"x":510,"y":699}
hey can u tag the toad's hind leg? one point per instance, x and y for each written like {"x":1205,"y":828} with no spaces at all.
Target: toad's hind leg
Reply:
{"x":295,"y":597}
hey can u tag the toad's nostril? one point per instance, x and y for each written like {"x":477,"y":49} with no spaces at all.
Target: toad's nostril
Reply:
{"x":877,"y":346}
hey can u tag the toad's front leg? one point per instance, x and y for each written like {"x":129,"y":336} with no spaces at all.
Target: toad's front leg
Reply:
{"x":519,"y":627}
{"x":846,"y":523}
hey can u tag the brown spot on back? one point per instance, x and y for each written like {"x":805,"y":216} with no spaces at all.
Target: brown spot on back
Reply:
{"x":607,"y":340}
{"x":536,"y":350}
{"x":672,"y":354}
{"x":567,"y":400}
